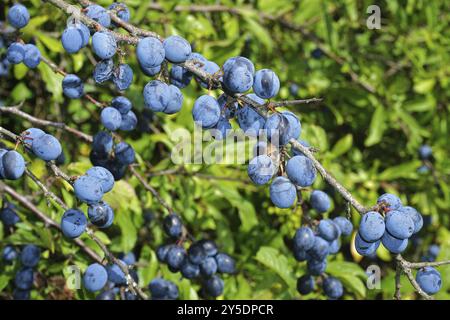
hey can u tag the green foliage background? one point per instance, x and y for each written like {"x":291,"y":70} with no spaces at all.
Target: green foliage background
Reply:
{"x":367,"y":140}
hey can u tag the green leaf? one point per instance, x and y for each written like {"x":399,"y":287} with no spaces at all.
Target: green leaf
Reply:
{"x":272,"y":259}
{"x":128,"y":231}
{"x":150,"y":268}
{"x":78,"y":60}
{"x":20,"y":70}
{"x":247,"y":213}
{"x":338,"y":267}
{"x":103,"y":237}
{"x":4,"y":279}
{"x":424,"y":86}
{"x":51,"y":43}
{"x":353,"y":284}
{"x":377,"y":127}
{"x":53,"y":81}
{"x":342,"y":146}
{"x":21,"y":93}
{"x":350,"y":274}
{"x":404,"y":170}
{"x":261,"y":34}
{"x":420,"y":104}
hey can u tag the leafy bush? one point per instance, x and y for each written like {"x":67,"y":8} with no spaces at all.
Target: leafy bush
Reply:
{"x":384,"y":95}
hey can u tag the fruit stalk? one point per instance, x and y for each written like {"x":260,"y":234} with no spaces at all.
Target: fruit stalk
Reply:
{"x":60,"y":125}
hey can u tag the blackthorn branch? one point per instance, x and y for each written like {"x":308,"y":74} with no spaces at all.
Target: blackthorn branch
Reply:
{"x":201,"y":73}
{"x":45,"y":123}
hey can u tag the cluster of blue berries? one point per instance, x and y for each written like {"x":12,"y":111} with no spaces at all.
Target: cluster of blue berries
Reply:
{"x":119,"y":115}
{"x":238,"y":76}
{"x":29,"y":54}
{"x":29,"y":258}
{"x":300,"y":172}
{"x":41,"y":144}
{"x":201,"y":261}
{"x":391,"y":224}
{"x":162,"y":289}
{"x":12,"y":164}
{"x":314,"y":247}
{"x":393,"y":229}
{"x":90,"y":189}
{"x":114,"y":157}
{"x":425,"y":152}
{"x":18,"y":52}
{"x":77,"y":35}
{"x":110,"y":278}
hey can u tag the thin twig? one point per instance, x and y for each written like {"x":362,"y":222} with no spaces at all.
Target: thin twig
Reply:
{"x":286,"y":103}
{"x":418,"y":265}
{"x":57,"y":172}
{"x":41,"y":122}
{"x":126,"y":26}
{"x":398,"y":284}
{"x":47,"y":193}
{"x":151,"y":189}
{"x":404,"y":265}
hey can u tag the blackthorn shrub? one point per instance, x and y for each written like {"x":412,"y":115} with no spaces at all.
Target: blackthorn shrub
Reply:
{"x":289,"y":172}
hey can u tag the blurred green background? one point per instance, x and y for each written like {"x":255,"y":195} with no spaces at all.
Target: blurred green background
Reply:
{"x":385,"y":93}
